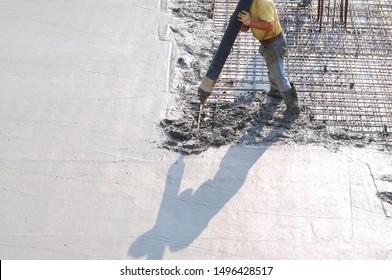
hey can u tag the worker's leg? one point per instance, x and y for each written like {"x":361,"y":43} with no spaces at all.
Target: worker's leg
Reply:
{"x":274,"y":91}
{"x":273,"y":54}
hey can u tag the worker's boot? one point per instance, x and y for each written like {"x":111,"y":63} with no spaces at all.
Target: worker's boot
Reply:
{"x":274,"y":93}
{"x":291,"y":100}
{"x":304,"y":3}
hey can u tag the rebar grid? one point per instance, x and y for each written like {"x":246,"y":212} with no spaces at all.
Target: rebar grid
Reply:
{"x":342,"y":70}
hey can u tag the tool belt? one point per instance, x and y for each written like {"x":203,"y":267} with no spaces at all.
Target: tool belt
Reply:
{"x":273,"y":39}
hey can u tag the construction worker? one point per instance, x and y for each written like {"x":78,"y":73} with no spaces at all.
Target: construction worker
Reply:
{"x":304,"y":3}
{"x":264,"y":22}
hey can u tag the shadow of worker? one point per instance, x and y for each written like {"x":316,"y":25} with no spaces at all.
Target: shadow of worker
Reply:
{"x":184,"y":216}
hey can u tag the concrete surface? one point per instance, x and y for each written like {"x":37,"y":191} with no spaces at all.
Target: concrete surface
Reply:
{"x":84,"y":84}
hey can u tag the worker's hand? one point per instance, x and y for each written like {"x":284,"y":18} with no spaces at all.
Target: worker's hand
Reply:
{"x":244,"y":28}
{"x":244,"y":17}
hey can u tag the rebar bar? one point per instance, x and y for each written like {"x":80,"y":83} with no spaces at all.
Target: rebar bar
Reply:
{"x":343,"y":7}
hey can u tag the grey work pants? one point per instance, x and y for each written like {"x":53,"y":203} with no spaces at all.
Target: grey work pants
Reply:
{"x":274,"y":54}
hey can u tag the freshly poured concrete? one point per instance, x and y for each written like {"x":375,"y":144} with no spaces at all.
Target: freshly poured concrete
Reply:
{"x":84,"y":84}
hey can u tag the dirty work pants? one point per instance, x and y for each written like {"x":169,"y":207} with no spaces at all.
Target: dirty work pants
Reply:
{"x":274,"y":54}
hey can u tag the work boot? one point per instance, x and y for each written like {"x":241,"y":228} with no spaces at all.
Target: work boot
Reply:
{"x":274,"y":92}
{"x":291,"y":100}
{"x":304,"y":3}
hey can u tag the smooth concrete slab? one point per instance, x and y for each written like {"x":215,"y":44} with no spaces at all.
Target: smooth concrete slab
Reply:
{"x":84,"y":84}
